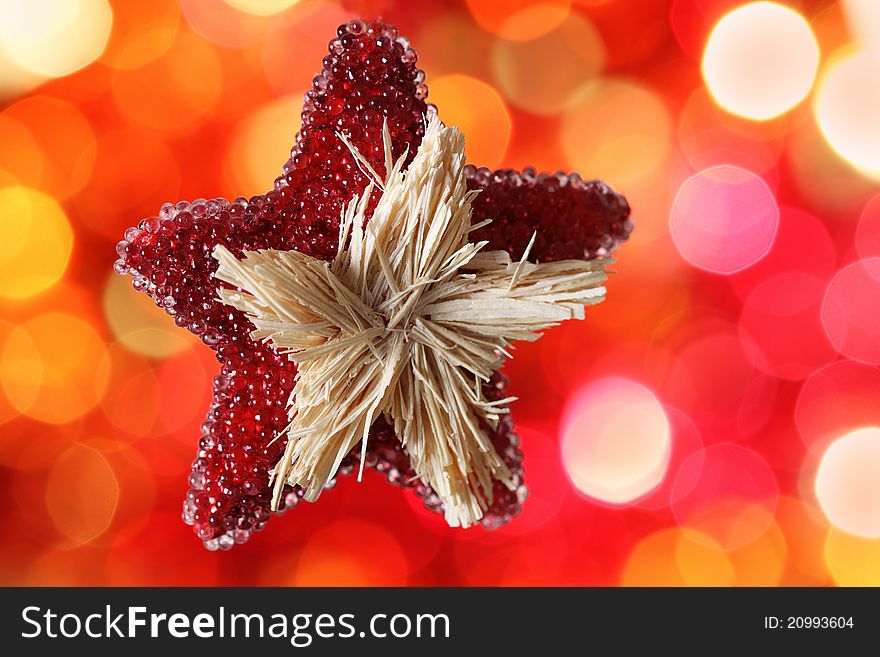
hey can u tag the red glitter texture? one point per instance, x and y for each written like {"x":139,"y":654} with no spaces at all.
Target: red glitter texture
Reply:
{"x":369,"y":75}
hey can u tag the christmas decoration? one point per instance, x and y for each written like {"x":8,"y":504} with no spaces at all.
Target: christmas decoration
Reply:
{"x":358,"y":153}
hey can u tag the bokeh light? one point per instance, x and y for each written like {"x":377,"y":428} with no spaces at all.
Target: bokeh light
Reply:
{"x":723,"y":219}
{"x":853,"y":561}
{"x":258,"y":146}
{"x":224,"y":24}
{"x":54,"y":368}
{"x":847,"y":485}
{"x":633,"y":119}
{"x":53,"y":38}
{"x":692,"y":22}
{"x":802,"y":245}
{"x":863,"y":18}
{"x":732,"y":407}
{"x":519,"y":20}
{"x":35,"y":242}
{"x":849,"y":312}
{"x":685,"y":443}
{"x":760,"y":60}
{"x":542,"y":75}
{"x":261,"y":7}
{"x":147,"y":44}
{"x":847,"y":104}
{"x":81,"y":494}
{"x":826,"y":183}
{"x":479,"y":111}
{"x":837,"y":399}
{"x":131,"y":21}
{"x":805,"y":529}
{"x":781,"y":317}
{"x":672,"y":557}
{"x":731,"y":495}
{"x":615,"y":441}
{"x":687,"y":557}
{"x":138,"y":323}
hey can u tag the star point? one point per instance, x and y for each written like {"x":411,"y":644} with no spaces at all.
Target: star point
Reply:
{"x":408,"y":321}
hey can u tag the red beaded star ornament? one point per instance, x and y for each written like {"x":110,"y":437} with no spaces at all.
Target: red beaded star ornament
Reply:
{"x":369,"y":79}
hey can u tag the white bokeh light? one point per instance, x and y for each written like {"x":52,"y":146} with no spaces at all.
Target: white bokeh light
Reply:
{"x":54,"y":38}
{"x":847,"y":485}
{"x":760,"y":60}
{"x":616,"y":441}
{"x":847,"y":107}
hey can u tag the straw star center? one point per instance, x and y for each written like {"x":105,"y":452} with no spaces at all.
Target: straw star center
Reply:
{"x":406,"y":322}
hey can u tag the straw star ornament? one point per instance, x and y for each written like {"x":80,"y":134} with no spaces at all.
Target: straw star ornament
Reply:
{"x":409,"y":320}
{"x":361,"y":308}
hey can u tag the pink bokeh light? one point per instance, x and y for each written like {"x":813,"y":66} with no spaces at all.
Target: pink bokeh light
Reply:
{"x":781,"y":316}
{"x":723,"y":219}
{"x":836,"y":399}
{"x":851,"y":313}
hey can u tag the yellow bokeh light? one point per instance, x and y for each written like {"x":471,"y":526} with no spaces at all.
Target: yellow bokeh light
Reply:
{"x":139,"y":324}
{"x":261,"y":7}
{"x":479,"y":112}
{"x":35,"y":242}
{"x":686,"y":557}
{"x":541,"y":75}
{"x":618,"y":131}
{"x":847,"y":485}
{"x":260,"y":145}
{"x":519,"y":20}
{"x":702,"y":563}
{"x":760,"y":60}
{"x":54,"y":38}
{"x":852,"y":560}
{"x":670,"y":557}
{"x":81,"y":494}
{"x":54,"y":368}
{"x":804,"y":529}
{"x":761,"y":562}
{"x":847,"y":105}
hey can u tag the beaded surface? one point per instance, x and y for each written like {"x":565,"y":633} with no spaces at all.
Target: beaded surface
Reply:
{"x":368,"y":76}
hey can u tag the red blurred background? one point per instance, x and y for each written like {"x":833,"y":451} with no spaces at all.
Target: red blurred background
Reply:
{"x":710,"y":423}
